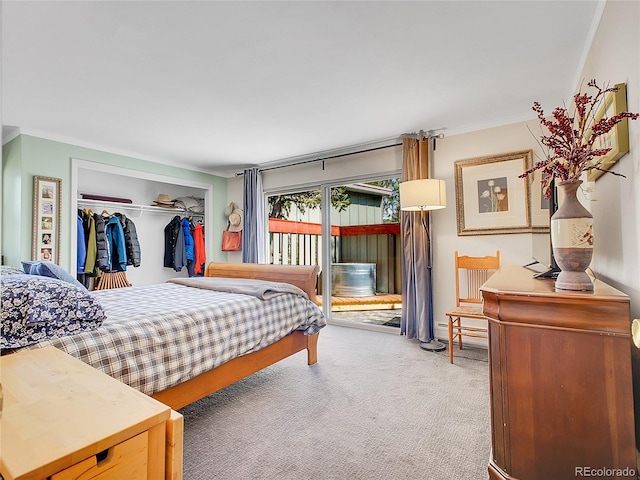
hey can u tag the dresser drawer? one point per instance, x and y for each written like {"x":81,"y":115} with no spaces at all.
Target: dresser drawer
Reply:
{"x":125,"y":460}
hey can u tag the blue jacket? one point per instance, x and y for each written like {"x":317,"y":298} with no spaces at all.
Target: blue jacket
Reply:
{"x":81,"y":247}
{"x":188,"y":239}
{"x":117,"y":247}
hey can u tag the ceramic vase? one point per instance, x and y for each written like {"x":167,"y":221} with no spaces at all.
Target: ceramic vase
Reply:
{"x":572,"y":240}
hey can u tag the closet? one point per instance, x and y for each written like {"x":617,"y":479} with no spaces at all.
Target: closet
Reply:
{"x":141,"y":189}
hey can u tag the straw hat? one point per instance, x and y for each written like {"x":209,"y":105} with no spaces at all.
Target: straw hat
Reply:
{"x":236,"y":221}
{"x":163,"y":200}
{"x":230,"y":208}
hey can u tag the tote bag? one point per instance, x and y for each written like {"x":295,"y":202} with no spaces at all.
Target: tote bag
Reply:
{"x":231,"y":241}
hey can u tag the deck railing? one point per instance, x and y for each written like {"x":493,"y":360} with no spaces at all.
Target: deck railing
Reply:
{"x":298,"y":243}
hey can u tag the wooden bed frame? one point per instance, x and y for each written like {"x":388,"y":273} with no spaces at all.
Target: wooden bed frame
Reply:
{"x":304,"y":277}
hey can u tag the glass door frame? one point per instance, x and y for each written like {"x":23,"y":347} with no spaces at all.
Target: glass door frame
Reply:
{"x":325,"y":215}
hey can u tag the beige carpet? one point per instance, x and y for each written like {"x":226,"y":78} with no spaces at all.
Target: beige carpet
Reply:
{"x":376,"y":406}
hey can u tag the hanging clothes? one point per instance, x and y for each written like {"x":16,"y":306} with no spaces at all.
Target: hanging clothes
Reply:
{"x":188,"y":245}
{"x":174,"y":252}
{"x":132,"y":244}
{"x":102,"y":246}
{"x":81,"y":253}
{"x":200,"y":252}
{"x":92,"y":248}
{"x":117,"y":248}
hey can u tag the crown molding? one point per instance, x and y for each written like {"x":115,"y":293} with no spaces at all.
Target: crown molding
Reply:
{"x":105,"y":149}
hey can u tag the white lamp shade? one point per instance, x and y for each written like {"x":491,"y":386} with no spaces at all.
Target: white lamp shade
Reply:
{"x":423,"y":194}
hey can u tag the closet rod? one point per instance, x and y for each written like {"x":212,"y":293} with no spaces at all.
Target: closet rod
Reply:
{"x":429,"y":134}
{"x":135,"y":207}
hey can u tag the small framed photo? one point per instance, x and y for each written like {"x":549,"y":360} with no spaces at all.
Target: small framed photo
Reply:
{"x":617,"y":139}
{"x":47,"y":207}
{"x":490,"y":198}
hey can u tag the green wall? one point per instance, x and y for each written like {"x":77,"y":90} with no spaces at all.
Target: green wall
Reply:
{"x":26,"y":156}
{"x":11,"y":197}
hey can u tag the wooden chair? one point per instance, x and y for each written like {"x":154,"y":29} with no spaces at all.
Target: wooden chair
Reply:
{"x":471,"y":273}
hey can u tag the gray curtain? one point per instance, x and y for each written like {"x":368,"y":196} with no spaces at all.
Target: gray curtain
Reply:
{"x":417,"y":309}
{"x":253,"y":231}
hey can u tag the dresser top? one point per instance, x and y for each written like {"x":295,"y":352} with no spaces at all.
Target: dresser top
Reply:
{"x":513,"y":296}
{"x":518,"y":280}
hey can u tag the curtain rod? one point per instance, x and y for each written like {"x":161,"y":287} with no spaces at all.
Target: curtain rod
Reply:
{"x":429,"y":134}
{"x":322,"y":159}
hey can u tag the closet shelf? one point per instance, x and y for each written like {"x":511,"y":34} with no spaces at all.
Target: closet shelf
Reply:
{"x":132,"y":207}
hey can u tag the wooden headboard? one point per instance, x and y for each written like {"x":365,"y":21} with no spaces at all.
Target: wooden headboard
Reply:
{"x":302,"y":276}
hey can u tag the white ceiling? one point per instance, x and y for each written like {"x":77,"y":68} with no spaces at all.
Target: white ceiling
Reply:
{"x":218,"y":86}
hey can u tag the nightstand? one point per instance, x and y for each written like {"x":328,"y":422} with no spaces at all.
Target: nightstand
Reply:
{"x":63,"y":420}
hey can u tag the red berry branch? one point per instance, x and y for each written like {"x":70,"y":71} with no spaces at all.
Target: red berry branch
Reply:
{"x":570,"y":143}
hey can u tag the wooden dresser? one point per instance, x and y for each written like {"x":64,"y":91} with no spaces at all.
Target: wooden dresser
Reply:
{"x":560,"y":380}
{"x":65,"y":420}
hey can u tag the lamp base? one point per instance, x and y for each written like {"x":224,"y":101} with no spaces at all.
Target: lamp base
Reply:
{"x":433,"y":346}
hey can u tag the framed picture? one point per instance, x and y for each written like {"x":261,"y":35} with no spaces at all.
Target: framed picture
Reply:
{"x":618,"y":137}
{"x":47,"y":206}
{"x":490,"y":198}
{"x":540,"y":206}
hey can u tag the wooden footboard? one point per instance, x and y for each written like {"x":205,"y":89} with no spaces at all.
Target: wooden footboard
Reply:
{"x":209,"y":382}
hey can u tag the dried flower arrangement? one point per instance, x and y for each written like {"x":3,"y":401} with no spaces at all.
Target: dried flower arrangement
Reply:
{"x":571,"y":143}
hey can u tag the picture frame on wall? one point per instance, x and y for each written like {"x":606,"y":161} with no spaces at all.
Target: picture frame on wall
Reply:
{"x":47,"y":208}
{"x":618,"y":137}
{"x":490,"y":197}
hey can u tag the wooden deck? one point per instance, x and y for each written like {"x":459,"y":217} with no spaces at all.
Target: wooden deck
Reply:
{"x":383,"y":301}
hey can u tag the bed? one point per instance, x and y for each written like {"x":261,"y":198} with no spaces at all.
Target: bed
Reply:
{"x":220,"y":335}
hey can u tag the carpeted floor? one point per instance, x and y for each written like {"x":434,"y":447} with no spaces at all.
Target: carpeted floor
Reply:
{"x":375,"y":406}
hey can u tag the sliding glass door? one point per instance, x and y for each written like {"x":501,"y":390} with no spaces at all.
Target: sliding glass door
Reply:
{"x":351,"y":232}
{"x":365,"y":272}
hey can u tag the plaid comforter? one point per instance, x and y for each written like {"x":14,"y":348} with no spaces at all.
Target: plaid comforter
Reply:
{"x":157,"y":336}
